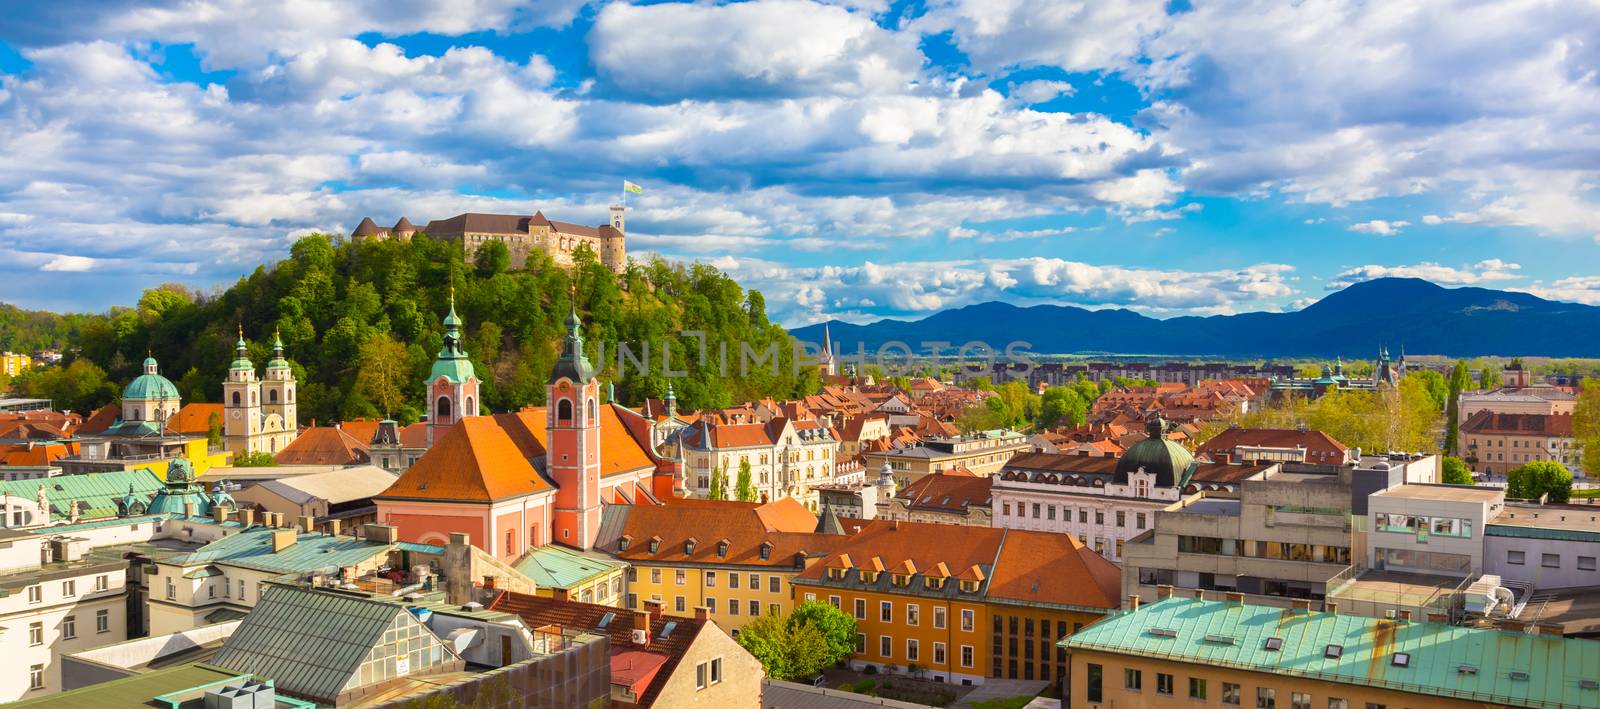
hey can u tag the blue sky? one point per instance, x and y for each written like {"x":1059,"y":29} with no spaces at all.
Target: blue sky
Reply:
{"x":855,"y":159}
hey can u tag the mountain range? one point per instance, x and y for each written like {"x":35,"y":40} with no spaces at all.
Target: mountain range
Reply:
{"x":1416,"y":314}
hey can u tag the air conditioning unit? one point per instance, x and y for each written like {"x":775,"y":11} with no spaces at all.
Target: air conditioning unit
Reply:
{"x":640,"y":636}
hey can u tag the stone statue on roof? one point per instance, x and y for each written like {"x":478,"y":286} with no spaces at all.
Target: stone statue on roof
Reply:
{"x":44,"y":504}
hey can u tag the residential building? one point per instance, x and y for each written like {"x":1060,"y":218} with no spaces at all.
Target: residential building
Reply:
{"x":1185,"y":651}
{"x":325,"y":445}
{"x":1498,"y":443}
{"x":345,"y":495}
{"x":1103,"y":502}
{"x":522,"y":236}
{"x":656,"y":659}
{"x":951,"y":496}
{"x":737,"y":559}
{"x":1275,"y":445}
{"x":57,"y":597}
{"x":787,"y":457}
{"x":1546,"y":401}
{"x":569,"y":574}
{"x":14,"y":363}
{"x":259,"y":416}
{"x":983,"y":453}
{"x":1545,"y":546}
{"x":391,"y":446}
{"x":962,"y":604}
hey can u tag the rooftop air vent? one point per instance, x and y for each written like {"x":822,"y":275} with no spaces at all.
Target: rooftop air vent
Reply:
{"x":1220,"y":639}
{"x":1519,"y":676}
{"x":1164,"y":632}
{"x":1401,"y":659}
{"x":1272,"y":644}
{"x":605,"y":620}
{"x":1466,"y":670}
{"x":1588,"y":684}
{"x":667,"y":630}
{"x":1333,"y":652}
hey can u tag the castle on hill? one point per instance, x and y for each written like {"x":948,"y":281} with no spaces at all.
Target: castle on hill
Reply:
{"x":522,"y":235}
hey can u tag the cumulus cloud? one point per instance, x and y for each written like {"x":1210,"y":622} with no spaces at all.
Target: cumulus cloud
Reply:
{"x":1076,"y":35}
{"x":1040,"y":90}
{"x":1479,"y":273}
{"x":1576,"y":289}
{"x":1380,"y":227}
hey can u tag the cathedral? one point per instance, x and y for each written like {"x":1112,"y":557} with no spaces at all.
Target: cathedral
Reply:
{"x":258,"y":416}
{"x":522,"y":235}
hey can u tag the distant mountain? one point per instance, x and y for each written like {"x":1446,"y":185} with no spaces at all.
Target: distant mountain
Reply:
{"x":1421,"y":316}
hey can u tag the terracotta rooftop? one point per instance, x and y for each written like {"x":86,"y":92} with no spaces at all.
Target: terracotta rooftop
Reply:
{"x":473,"y":461}
{"x":948,"y":491}
{"x":620,"y":450}
{"x":1488,"y":422}
{"x":324,"y":445}
{"x":1320,"y":447}
{"x":784,"y":525}
{"x":194,"y":419}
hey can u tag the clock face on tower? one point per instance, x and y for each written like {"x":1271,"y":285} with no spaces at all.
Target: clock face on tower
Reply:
{"x":236,"y":415}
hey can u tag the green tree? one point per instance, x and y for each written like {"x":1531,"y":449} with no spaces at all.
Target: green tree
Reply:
{"x":258,"y":459}
{"x":1458,"y":382}
{"x":719,"y":483}
{"x":1061,"y":406}
{"x":384,"y":371}
{"x":80,"y":386}
{"x":746,"y":485}
{"x":492,"y":258}
{"x":1540,"y":477}
{"x":1489,"y":376}
{"x":836,"y":626}
{"x":787,"y":650}
{"x":1454,"y":471}
{"x":1586,"y":423}
{"x":1436,"y":386}
{"x":214,"y":431}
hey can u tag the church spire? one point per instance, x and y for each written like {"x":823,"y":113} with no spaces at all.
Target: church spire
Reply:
{"x":573,"y":364}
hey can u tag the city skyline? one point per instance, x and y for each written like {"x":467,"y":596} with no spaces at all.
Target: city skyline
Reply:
{"x":853,"y":161}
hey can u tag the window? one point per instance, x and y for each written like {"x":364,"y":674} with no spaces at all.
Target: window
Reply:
{"x":69,"y":627}
{"x":1375,"y":705}
{"x":1132,"y":680}
{"x":733,"y":580}
{"x":886,"y":611}
{"x":774,"y":584}
{"x":241,"y":589}
{"x":1083,"y":515}
{"x":755,"y":582}
{"x":1005,"y":509}
{"x":938,"y":653}
{"x":711,"y":579}
{"x":938,"y":617}
{"x":966,"y":655}
{"x":1094,"y":673}
{"x":861,"y":643}
{"x":102,"y":621}
{"x":885,"y":646}
{"x":1164,"y":683}
{"x":1230,"y":693}
{"x":861,"y":609}
{"x":655,"y":576}
{"x":1550,"y":561}
{"x":966,"y":620}
{"x":700,"y":670}
{"x":1122,"y":518}
{"x":1299,"y":700}
{"x":913,"y":614}
{"x":1337,"y":703}
{"x":1197,"y":688}
{"x":680,"y":577}
{"x":1100,"y":517}
{"x":1036,"y":510}
{"x":101,"y":583}
{"x":36,"y":633}
{"x":1138,"y":520}
{"x":913,"y":649}
{"x":772,"y":609}
{"x":711,"y":604}
{"x":1266,"y":698}
{"x":69,"y":588}
{"x":679,"y":604}
{"x":35,"y":594}
{"x":755,"y":608}
{"x":733,"y":606}
{"x":1050,"y":513}
{"x":36,"y":677}
{"x":1586,"y":563}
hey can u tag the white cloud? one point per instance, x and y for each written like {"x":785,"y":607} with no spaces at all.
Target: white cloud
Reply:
{"x":1483,"y":272}
{"x":760,"y":48}
{"x":68,"y":263}
{"x":1076,"y":35}
{"x":1380,"y":227}
{"x":1040,"y":90}
{"x":1576,"y":289}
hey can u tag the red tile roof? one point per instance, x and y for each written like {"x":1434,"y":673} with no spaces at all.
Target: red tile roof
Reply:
{"x":474,"y":461}
{"x":194,"y":419}
{"x":948,"y":491}
{"x":324,"y":445}
{"x":746,"y":526}
{"x":1320,"y":447}
{"x":1488,"y":422}
{"x":101,"y":421}
{"x":620,"y":451}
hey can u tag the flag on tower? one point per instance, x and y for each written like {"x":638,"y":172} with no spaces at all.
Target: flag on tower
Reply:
{"x":631,"y":187}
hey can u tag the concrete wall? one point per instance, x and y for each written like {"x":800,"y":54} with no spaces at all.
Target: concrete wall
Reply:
{"x":103,"y":664}
{"x":1566,"y":574}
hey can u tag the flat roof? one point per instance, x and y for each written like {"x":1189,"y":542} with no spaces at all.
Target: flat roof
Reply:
{"x":1583,"y":518}
{"x":1398,"y":587}
{"x":1448,"y":493}
{"x":135,"y":691}
{"x":1576,"y":610}
{"x":1212,"y":506}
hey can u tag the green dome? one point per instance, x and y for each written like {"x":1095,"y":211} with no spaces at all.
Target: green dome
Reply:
{"x":457,"y":370}
{"x":149,"y":387}
{"x":1171,"y":463}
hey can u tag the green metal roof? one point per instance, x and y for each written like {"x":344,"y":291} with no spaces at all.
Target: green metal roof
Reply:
{"x":134,"y":691}
{"x":420,"y":548}
{"x":252,"y":548}
{"x":310,"y":643}
{"x":147,"y":387}
{"x":1566,"y":535}
{"x":1234,"y":635}
{"x":101,"y":491}
{"x":556,"y":567}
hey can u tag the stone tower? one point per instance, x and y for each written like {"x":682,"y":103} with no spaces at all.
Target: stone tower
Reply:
{"x":452,"y":385}
{"x":573,"y":458}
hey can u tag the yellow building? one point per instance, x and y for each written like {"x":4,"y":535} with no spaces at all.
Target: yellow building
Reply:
{"x":736,"y":558}
{"x":1186,"y":652}
{"x":13,"y":363}
{"x":962,"y":604}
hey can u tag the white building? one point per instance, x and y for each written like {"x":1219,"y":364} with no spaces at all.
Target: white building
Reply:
{"x":61,"y":598}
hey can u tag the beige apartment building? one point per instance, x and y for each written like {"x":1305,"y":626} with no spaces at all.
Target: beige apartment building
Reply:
{"x":982,"y":453}
{"x":57,"y":597}
{"x":1496,"y":443}
{"x":787,"y":457}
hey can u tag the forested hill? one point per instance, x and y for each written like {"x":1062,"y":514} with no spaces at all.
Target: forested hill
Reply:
{"x":362,"y":322}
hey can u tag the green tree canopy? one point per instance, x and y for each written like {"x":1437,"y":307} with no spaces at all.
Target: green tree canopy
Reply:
{"x":746,"y":488}
{"x":1454,"y":471}
{"x":798,"y":646}
{"x":1586,"y":423}
{"x":836,"y":626}
{"x":1540,"y":477}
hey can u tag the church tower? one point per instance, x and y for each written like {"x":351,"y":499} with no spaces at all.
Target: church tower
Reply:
{"x":452,"y":385}
{"x":826,"y":365}
{"x":241,"y":402}
{"x":573,"y":459}
{"x":277,"y":394}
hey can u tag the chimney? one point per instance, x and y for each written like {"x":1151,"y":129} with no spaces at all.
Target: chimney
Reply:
{"x":334,"y":527}
{"x":1403,"y":615}
{"x":1515,"y":626}
{"x":1438,"y":618}
{"x":641,"y":628}
{"x":1234,"y":598}
{"x":560,"y":594}
{"x":460,"y":539}
{"x":188,"y":509}
{"x":1301,"y":604}
{"x":247,"y":517}
{"x":1163,"y":592}
{"x":1133,"y":602}
{"x":282,"y":539}
{"x":1330,"y":607}
{"x":702,"y":613}
{"x":653,"y":607}
{"x":219,"y":514}
{"x":308,"y":524}
{"x":1199,"y":594}
{"x":381,"y":533}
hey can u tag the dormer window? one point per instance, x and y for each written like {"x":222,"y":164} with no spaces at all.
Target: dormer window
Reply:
{"x":869,"y":576}
{"x":766,"y":550}
{"x":722,"y":549}
{"x":688,"y":547}
{"x":622,"y":544}
{"x":933,"y":584}
{"x":969,"y":586}
{"x":836,"y":574}
{"x":655,"y":544}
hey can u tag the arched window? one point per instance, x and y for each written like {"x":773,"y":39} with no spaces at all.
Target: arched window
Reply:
{"x":291,"y":396}
{"x":564,"y":410}
{"x":468,"y":409}
{"x":236,"y":398}
{"x":590,"y":417}
{"x":272,"y":396}
{"x":442,"y":409}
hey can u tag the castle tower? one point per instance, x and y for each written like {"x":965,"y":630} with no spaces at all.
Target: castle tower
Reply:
{"x":277,"y":395}
{"x":613,"y":241}
{"x":573,"y":460}
{"x":452,"y":386}
{"x":241,"y":402}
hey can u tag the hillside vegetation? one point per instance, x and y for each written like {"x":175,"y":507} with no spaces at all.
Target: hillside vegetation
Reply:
{"x":361,"y":323}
